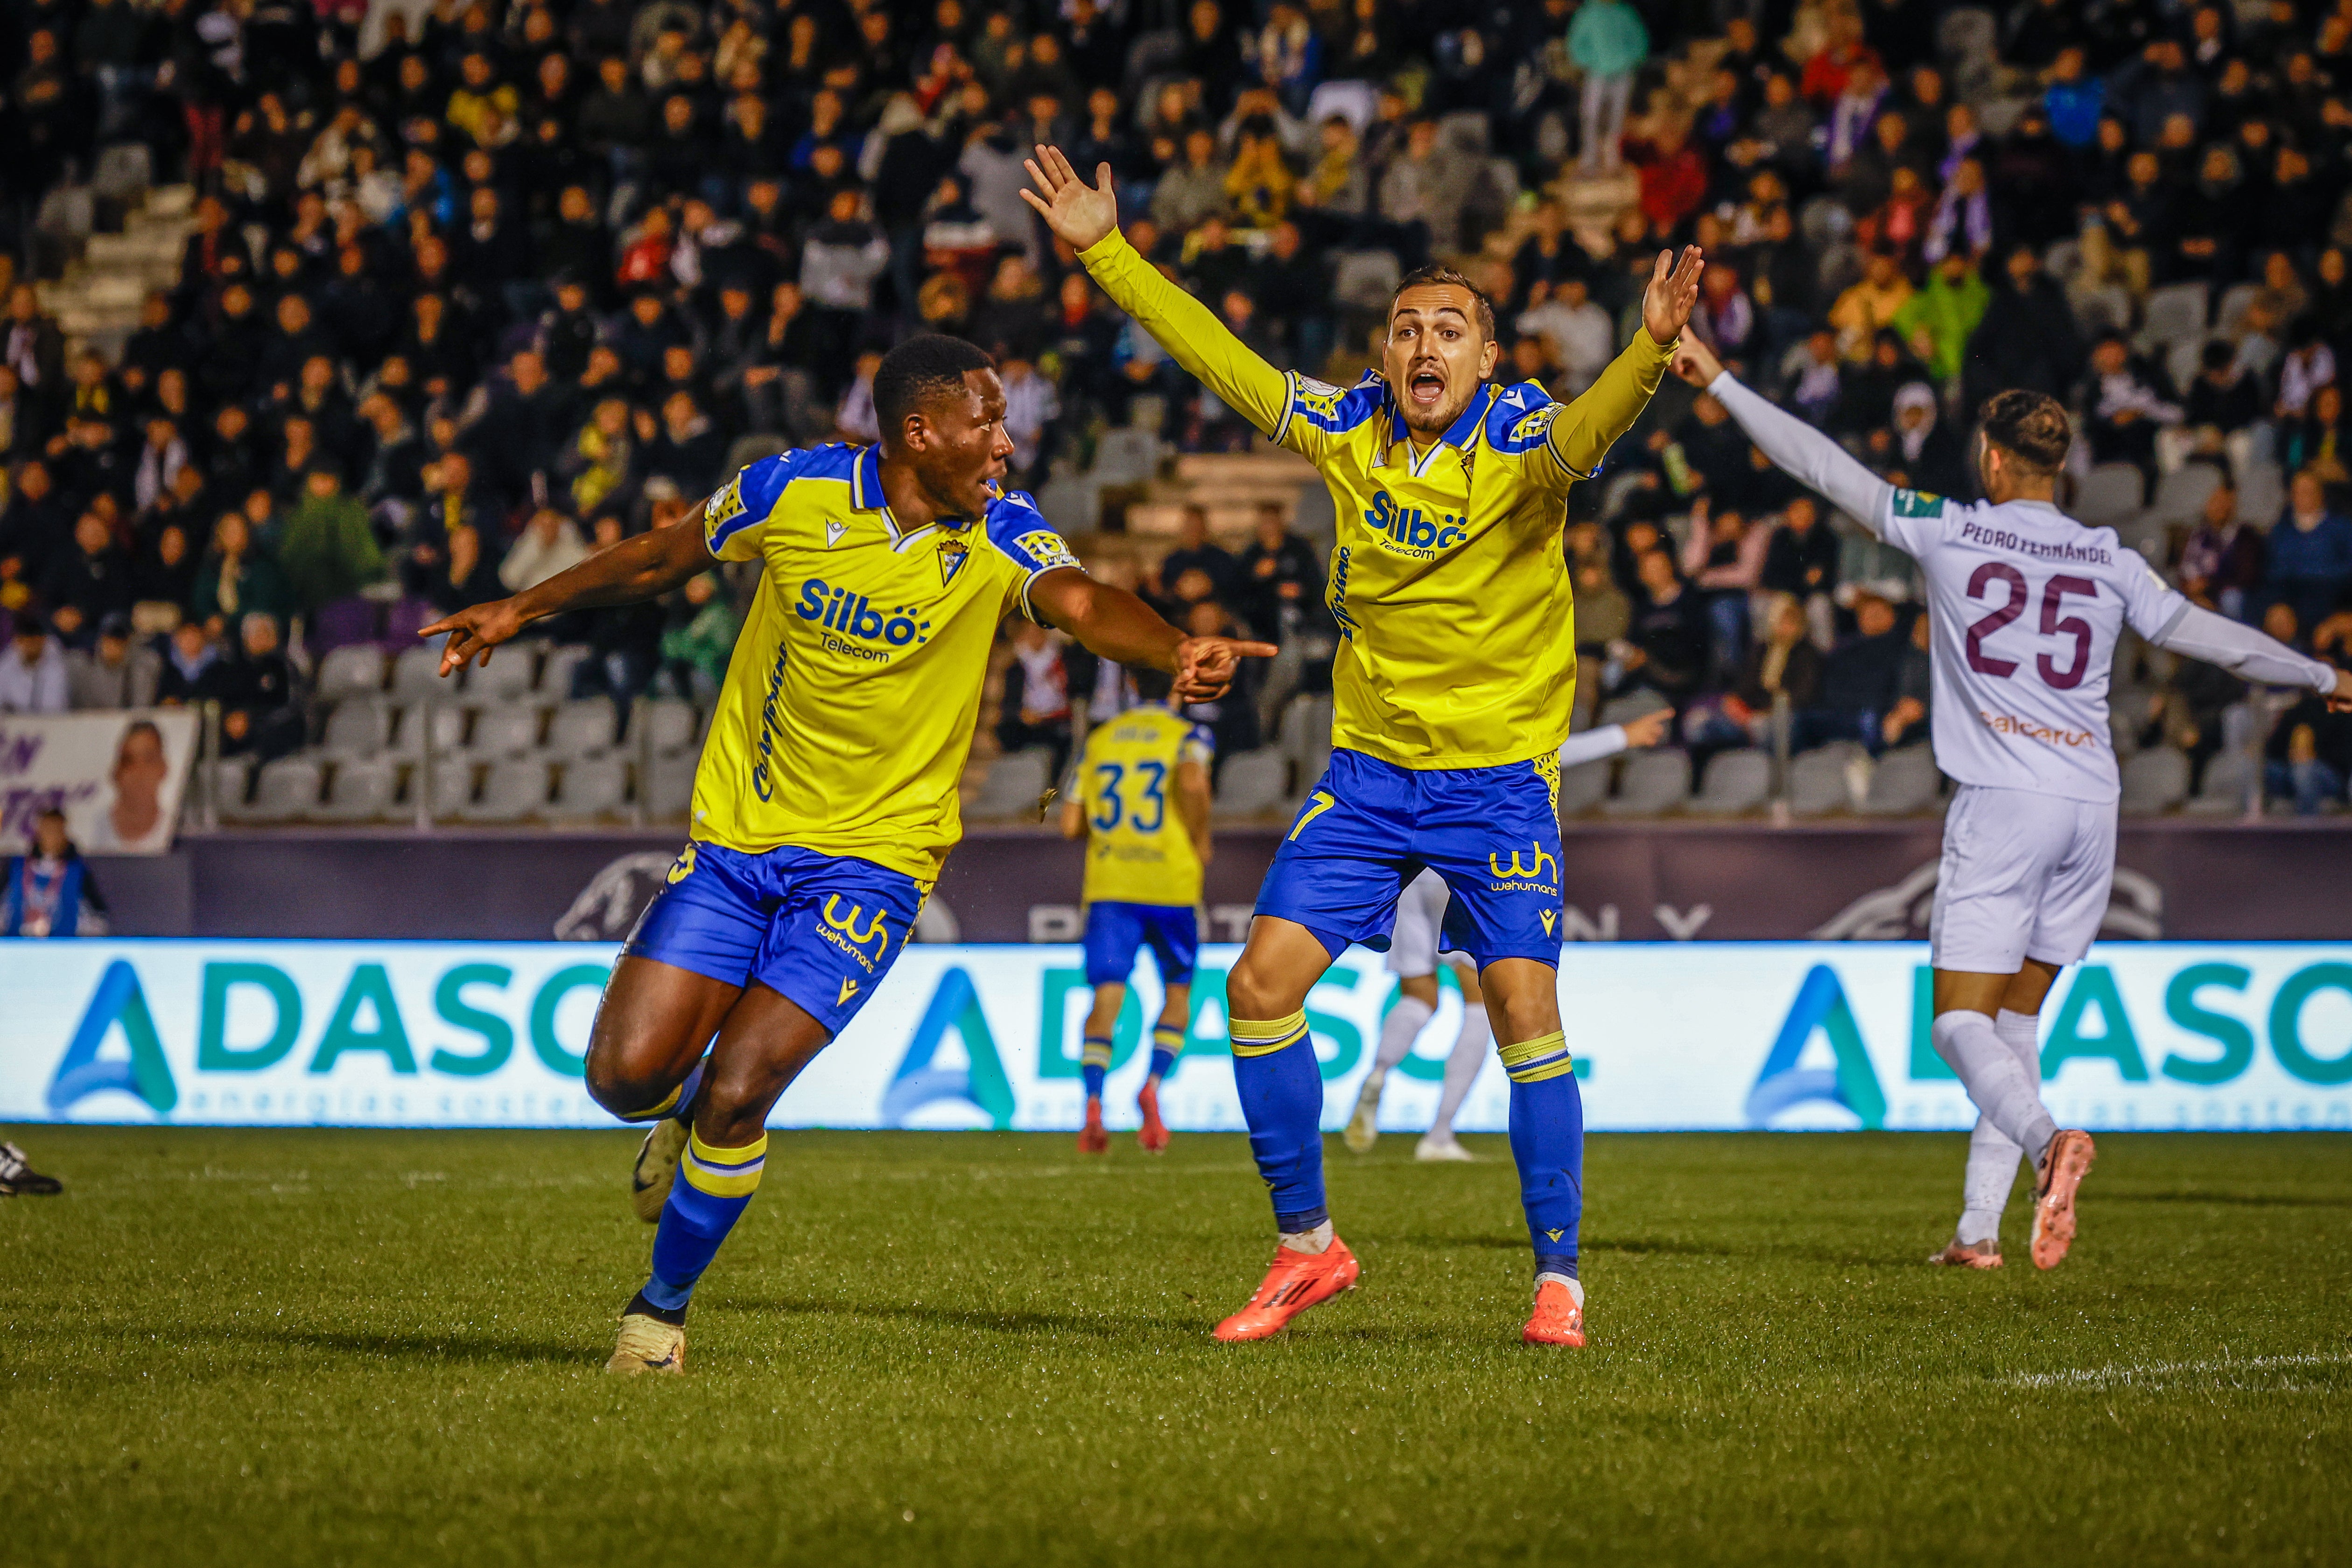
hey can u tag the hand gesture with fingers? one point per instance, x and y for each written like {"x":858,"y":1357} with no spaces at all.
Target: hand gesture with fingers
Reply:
{"x":474,"y":630}
{"x":1076,"y":212}
{"x":1667,"y":305}
{"x":1697,"y":363}
{"x":1205,"y":666}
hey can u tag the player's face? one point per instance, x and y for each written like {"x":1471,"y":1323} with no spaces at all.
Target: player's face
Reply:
{"x":1436,"y":355}
{"x":959,"y":444}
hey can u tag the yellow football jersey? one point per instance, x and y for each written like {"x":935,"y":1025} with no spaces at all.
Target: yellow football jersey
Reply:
{"x":1448,"y":581}
{"x":849,"y":705}
{"x":1138,"y":849}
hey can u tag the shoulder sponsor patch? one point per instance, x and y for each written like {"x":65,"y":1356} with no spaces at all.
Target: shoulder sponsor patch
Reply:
{"x":1047,"y":548}
{"x":1918,"y":504}
{"x":1536,"y":422}
{"x":1313,"y":388}
{"x":725,"y":503}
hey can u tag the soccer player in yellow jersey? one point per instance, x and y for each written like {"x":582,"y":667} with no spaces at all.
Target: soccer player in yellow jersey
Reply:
{"x":1452,"y":693}
{"x":825,"y":800}
{"x":1141,"y":802}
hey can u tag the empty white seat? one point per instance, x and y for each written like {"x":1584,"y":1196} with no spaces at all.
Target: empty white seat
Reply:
{"x":2227,"y":788}
{"x":1650,"y":782}
{"x":512,"y":788}
{"x":354,"y":670}
{"x":287,"y":788}
{"x":1252,"y":783}
{"x":416,"y":672}
{"x":669,"y":725}
{"x":1904,"y":783}
{"x":364,"y":787}
{"x":1305,"y":737}
{"x":1817,"y":779}
{"x":2175,"y":311}
{"x":1365,"y":279}
{"x":582,"y":729}
{"x":2154,"y":781}
{"x":451,"y":789}
{"x":512,"y":671}
{"x":555,"y":670}
{"x":505,"y":730}
{"x":447,"y":719}
{"x":669,"y":792}
{"x":1633,"y":704}
{"x":2109,"y":493}
{"x":1968,"y":32}
{"x":1584,"y":786}
{"x":232,"y":778}
{"x":592,"y":786}
{"x":1014,"y":784}
{"x":2182,"y":495}
{"x":359,"y":727}
{"x":1736,"y":781}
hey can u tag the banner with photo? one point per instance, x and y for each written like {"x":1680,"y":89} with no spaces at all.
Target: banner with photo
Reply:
{"x":117,"y":776}
{"x":1668,"y":1035}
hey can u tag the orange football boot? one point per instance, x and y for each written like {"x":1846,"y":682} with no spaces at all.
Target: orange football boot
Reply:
{"x":1296,"y":1281}
{"x":1153,"y":1133}
{"x":2063,"y":1165}
{"x":1557,"y":1319}
{"x":1092,"y":1139}
{"x":1968,"y":1255}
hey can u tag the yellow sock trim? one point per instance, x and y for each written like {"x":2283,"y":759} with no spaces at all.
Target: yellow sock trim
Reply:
{"x":1095,"y":1054}
{"x":1533,"y":1061}
{"x":1252,"y":1037}
{"x":656,"y":1113}
{"x":724,"y":1173}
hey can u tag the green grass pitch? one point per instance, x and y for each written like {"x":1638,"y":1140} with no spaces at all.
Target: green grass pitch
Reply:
{"x":296,"y":1347}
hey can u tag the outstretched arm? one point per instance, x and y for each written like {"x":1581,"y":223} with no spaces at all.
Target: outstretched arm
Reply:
{"x":1088,"y":217}
{"x":1804,"y":452}
{"x":645,"y":567}
{"x":2251,"y":655}
{"x":1117,"y":625}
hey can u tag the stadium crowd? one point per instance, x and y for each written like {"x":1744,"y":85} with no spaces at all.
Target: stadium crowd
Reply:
{"x":477,"y":289}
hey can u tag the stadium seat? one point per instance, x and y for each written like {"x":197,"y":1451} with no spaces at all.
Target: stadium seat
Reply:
{"x":511,"y":673}
{"x":452,"y":784}
{"x":508,"y":730}
{"x":582,"y":729}
{"x":1735,"y":781}
{"x":2099,"y":308}
{"x":1903,"y":783}
{"x":669,"y":725}
{"x":592,"y":786}
{"x":2262,"y":494}
{"x":355,"y":670}
{"x":449,"y":721}
{"x":1650,"y":783}
{"x":1365,"y":279}
{"x":1817,"y":779}
{"x":1305,"y":737}
{"x":359,"y":727}
{"x":748,"y":449}
{"x":363,"y":788}
{"x":1252,"y":783}
{"x":416,"y":672}
{"x":2227,"y":786}
{"x":2175,"y":311}
{"x":2230,"y":318}
{"x":123,"y":170}
{"x":1584,"y":786}
{"x":2154,"y":781}
{"x":1127,"y":455}
{"x":513,"y":789}
{"x":1014,"y":784}
{"x":2181,"y":495}
{"x":1633,"y":704}
{"x":2110,"y":493}
{"x":286,"y":789}
{"x":1968,"y":32}
{"x":555,"y":670}
{"x":232,"y":780}
{"x":669,"y":792}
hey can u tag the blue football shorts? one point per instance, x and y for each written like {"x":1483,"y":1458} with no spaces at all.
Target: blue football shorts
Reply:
{"x":1115,"y":932}
{"x":1370,"y":827}
{"x":819,"y":929}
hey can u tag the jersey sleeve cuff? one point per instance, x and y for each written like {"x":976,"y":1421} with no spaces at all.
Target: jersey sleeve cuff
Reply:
{"x":1106,"y":250}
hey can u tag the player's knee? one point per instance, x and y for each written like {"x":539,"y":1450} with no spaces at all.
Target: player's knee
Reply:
{"x":735,"y":1104}
{"x":614,"y":1085}
{"x":1253,"y":994}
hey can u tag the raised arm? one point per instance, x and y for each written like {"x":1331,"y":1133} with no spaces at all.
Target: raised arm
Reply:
{"x":1088,"y":217}
{"x":645,"y":567}
{"x":1582,"y":434}
{"x":1115,"y":624}
{"x":2249,"y":654}
{"x":1794,"y":447}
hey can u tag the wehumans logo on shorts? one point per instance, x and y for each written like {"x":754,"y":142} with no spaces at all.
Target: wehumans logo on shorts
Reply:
{"x":1524,"y":877}
{"x":852,"y":940}
{"x":854,"y":626}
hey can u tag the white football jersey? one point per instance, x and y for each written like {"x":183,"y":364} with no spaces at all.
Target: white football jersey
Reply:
{"x":2025,"y":605}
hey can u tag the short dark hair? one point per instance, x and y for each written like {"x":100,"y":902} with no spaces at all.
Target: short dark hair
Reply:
{"x":1437,"y":277}
{"x":2031,"y":426}
{"x":928,"y":365}
{"x":1153,"y":686}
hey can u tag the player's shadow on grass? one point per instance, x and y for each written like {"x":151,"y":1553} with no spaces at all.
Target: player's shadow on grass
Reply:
{"x":462,"y":1349}
{"x":1633,"y":1244}
{"x":975,"y":1317}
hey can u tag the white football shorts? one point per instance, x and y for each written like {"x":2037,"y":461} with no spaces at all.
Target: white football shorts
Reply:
{"x":2024,"y":876}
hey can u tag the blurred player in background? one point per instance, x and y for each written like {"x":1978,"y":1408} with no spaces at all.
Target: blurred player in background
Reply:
{"x":1451,"y":692}
{"x":1140,"y":797}
{"x":1413,"y":952}
{"x":2025,"y":605}
{"x":825,"y":802}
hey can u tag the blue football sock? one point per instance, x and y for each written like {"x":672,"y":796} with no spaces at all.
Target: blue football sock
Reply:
{"x":713,"y":1188}
{"x":1548,"y":1142}
{"x":1167,"y":1045}
{"x":1281,"y":1090}
{"x":1094,"y":1060}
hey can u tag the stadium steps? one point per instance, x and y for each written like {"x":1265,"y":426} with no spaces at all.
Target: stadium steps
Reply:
{"x":97,"y":299}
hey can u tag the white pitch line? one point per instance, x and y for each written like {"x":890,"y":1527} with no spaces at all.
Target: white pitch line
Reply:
{"x":2094,"y":1376}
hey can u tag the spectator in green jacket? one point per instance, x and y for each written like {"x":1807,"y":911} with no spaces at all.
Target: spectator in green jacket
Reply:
{"x":330,"y":551}
{"x":238,"y":578}
{"x":699,"y":638}
{"x":1609,"y":43}
{"x":1947,"y":311}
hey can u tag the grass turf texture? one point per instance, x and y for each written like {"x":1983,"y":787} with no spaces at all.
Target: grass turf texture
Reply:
{"x":385,"y":1347}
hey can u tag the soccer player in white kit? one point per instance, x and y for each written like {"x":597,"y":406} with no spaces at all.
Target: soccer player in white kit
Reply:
{"x":2024,"y":606}
{"x":1412,"y":957}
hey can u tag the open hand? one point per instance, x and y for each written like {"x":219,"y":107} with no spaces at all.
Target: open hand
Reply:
{"x":1666,"y":304}
{"x":1697,"y":363}
{"x":475,"y":630}
{"x":1205,"y":666}
{"x":2340,"y":699}
{"x":1081,"y":213}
